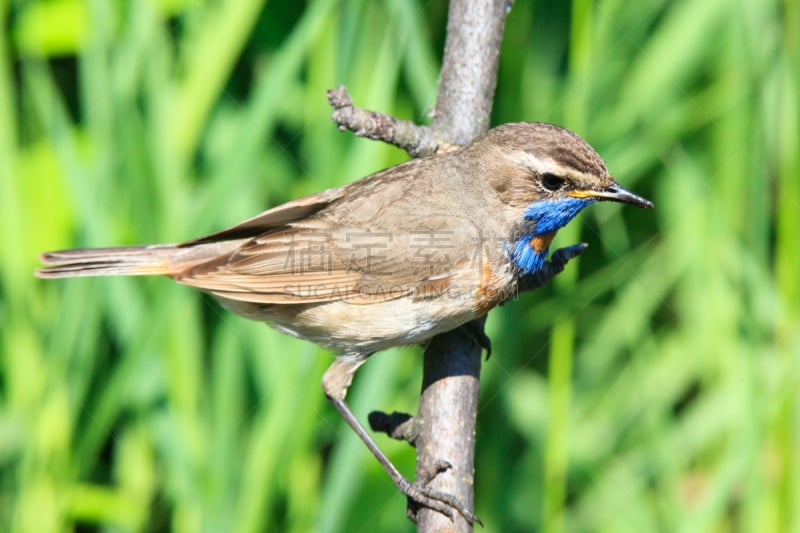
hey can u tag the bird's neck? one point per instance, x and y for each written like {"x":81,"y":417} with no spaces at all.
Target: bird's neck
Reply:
{"x":542,"y":219}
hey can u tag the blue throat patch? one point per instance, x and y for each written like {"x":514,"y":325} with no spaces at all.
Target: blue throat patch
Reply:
{"x":543,"y":217}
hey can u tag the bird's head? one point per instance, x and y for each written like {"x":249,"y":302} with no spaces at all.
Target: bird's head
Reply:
{"x":544,"y":175}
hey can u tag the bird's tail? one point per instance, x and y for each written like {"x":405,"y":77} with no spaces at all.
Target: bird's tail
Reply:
{"x":120,"y":261}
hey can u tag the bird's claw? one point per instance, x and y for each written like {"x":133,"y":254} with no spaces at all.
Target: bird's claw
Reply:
{"x":428,"y":475}
{"x":420,"y":495}
{"x":474,"y":330}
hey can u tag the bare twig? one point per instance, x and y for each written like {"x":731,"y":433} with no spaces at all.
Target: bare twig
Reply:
{"x":416,"y":140}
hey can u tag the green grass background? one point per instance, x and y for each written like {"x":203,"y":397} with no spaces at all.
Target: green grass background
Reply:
{"x":654,"y":387}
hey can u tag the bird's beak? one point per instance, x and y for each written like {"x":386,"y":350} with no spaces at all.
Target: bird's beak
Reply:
{"x":614,"y":193}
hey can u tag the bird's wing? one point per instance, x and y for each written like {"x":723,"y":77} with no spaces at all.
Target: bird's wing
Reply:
{"x":394,"y":179}
{"x":314,"y":260}
{"x":274,"y":218}
{"x":380,"y":238}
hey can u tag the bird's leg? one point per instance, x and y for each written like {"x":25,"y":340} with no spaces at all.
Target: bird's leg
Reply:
{"x":335,"y":383}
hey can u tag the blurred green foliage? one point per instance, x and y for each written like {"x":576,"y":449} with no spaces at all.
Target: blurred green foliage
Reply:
{"x":653,"y":387}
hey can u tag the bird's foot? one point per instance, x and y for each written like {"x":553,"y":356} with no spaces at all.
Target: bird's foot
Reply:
{"x":334,"y":383}
{"x":474,"y":330}
{"x":420,"y":495}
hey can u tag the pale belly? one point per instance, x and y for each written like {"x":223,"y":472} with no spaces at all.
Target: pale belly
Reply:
{"x":347,"y":328}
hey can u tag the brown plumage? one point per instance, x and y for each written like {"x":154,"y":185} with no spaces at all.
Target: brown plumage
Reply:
{"x":394,"y":258}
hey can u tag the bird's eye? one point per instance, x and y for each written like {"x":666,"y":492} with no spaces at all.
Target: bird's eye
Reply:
{"x":552,"y":182}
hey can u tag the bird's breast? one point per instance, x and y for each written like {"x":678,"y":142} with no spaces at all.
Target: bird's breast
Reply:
{"x":495,"y":285}
{"x":529,"y":252}
{"x":540,"y":243}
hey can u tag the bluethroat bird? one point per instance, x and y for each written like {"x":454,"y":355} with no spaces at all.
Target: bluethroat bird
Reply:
{"x":393,"y":259}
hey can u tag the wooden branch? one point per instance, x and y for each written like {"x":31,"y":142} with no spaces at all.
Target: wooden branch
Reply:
{"x":469,"y":69}
{"x":444,"y":429}
{"x":451,"y":377}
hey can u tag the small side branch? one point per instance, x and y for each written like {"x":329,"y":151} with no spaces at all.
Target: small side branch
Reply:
{"x":417,"y":140}
{"x":551,"y":268}
{"x":400,"y":426}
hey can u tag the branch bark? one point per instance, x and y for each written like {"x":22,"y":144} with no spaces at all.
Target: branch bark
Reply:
{"x":469,"y":68}
{"x":444,"y":429}
{"x":451,"y":377}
